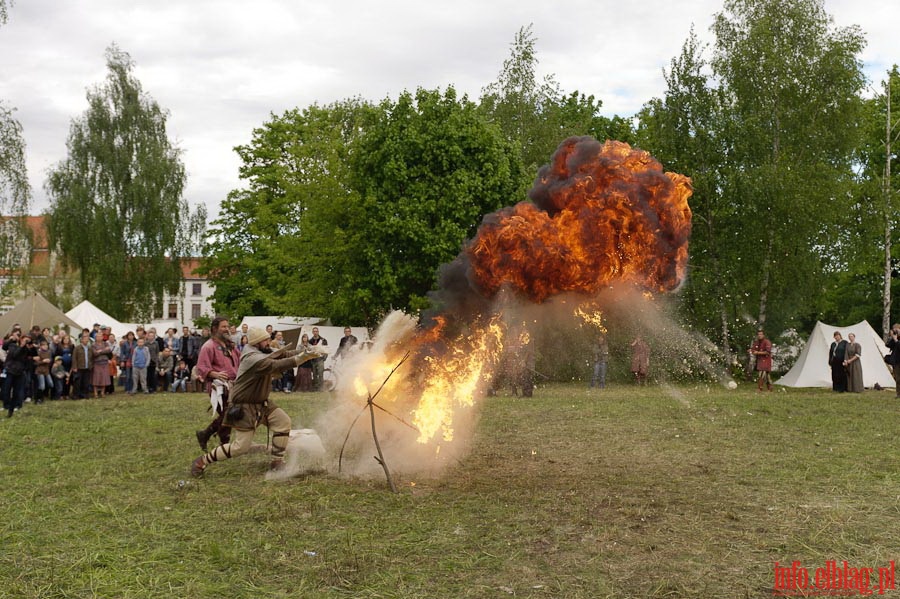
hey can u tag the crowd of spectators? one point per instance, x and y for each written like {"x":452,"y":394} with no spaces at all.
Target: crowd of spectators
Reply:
{"x":40,"y":364}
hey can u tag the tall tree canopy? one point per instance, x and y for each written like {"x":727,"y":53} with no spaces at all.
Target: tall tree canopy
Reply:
{"x":351,"y":208}
{"x":427,"y":170}
{"x":117,"y":214}
{"x":865,"y":285}
{"x":535,"y":115}
{"x":767,"y":130}
{"x":15,"y":192}
{"x":792,"y":88}
{"x":278,"y":245}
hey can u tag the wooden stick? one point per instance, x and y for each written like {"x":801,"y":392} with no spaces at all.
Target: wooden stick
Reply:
{"x":369,"y":404}
{"x":380,"y":457}
{"x":346,"y":438}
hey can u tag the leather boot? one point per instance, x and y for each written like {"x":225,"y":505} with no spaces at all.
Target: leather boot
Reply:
{"x":203,"y":438}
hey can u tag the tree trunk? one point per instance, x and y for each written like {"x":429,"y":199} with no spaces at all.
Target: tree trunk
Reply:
{"x":886,"y":300}
{"x":764,"y":282}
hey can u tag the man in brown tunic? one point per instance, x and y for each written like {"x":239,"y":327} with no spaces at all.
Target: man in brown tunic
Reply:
{"x":250,"y":403}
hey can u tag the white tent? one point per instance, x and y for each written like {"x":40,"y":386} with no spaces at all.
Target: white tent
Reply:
{"x":282,"y":323}
{"x":86,"y":314}
{"x":812,"y":369}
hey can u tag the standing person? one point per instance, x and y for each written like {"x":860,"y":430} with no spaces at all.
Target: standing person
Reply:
{"x":853,"y":365}
{"x":152,"y":345}
{"x":318,"y":364}
{"x":16,"y":368}
{"x":140,"y":362}
{"x":600,"y":350}
{"x":114,"y":361}
{"x":185,"y":350}
{"x":64,"y":352}
{"x":100,"y":370}
{"x":346,"y":342}
{"x":31,"y":351}
{"x":761,"y":350}
{"x":197,"y":341}
{"x":277,"y":343}
{"x":251,"y":405}
{"x":173,"y":341}
{"x":304,"y":371}
{"x":126,"y":349}
{"x":217,"y":366}
{"x":82,"y":361}
{"x":43,"y":362}
{"x":59,"y":373}
{"x":893,"y":343}
{"x":836,"y":356}
{"x":640,"y":360}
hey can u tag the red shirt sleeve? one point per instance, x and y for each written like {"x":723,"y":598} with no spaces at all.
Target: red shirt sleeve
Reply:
{"x":204,"y":360}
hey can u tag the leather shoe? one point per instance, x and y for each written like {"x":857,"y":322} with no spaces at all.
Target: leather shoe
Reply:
{"x":198,"y":466}
{"x":203,"y":439}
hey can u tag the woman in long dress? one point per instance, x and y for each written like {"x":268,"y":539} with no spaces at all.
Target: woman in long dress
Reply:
{"x":100,"y":373}
{"x":853,"y":365}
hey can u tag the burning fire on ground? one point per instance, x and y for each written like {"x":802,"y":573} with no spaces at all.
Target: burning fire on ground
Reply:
{"x":600,"y":215}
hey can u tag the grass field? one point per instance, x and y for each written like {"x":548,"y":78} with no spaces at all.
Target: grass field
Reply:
{"x":633,"y":492}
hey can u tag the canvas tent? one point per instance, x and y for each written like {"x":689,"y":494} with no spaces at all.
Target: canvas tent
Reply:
{"x":36,"y":310}
{"x":292,"y":328}
{"x":86,"y":314}
{"x":812,"y":369}
{"x":282,"y":323}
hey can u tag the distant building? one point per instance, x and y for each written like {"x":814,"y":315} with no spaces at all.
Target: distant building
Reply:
{"x":25,"y":252}
{"x":195,"y":300}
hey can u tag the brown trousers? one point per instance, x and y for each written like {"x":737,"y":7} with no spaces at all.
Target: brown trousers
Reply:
{"x":242,"y":439}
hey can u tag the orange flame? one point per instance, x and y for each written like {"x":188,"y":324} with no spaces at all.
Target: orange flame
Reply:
{"x":602,"y":214}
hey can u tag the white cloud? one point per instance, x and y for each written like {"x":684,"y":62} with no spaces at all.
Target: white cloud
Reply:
{"x":221,"y":67}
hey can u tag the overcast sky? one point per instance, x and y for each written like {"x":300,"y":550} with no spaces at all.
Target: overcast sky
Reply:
{"x":221,"y":67}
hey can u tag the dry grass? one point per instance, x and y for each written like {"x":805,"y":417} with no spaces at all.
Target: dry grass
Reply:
{"x":650,"y":492}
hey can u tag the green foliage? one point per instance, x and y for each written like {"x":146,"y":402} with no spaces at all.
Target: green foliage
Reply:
{"x":278,"y":245}
{"x":351,"y":208}
{"x":427,"y":170}
{"x":117,"y":214}
{"x":766,"y":129}
{"x":536,"y":116}
{"x":203,"y":322}
{"x":791,"y":86}
{"x":867,"y":240}
{"x":15,"y":196}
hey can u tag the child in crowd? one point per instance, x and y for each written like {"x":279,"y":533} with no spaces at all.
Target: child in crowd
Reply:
{"x":181,"y":376}
{"x":60,"y":379}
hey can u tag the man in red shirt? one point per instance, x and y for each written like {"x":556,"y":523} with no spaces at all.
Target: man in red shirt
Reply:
{"x":762,"y":350}
{"x":217,"y":366}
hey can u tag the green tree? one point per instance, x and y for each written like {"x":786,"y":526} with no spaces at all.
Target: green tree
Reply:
{"x":791,"y":86}
{"x":864,"y":286}
{"x":278,"y":244}
{"x":350,"y":208}
{"x":15,"y":192}
{"x":684,"y":130}
{"x":427,"y":170}
{"x":117,"y":214}
{"x":535,"y":116}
